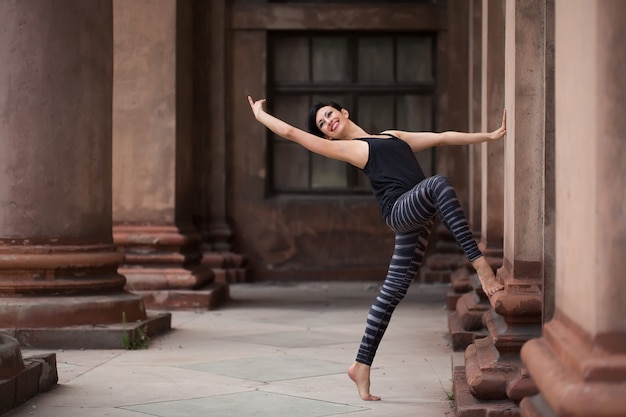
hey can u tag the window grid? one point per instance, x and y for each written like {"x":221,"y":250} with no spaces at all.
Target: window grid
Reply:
{"x":351,"y":91}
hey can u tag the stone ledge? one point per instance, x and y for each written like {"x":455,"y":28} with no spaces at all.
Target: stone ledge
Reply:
{"x":39,"y":375}
{"x":109,"y":336}
{"x":207,"y":298}
{"x":469,"y":406}
{"x":462,"y":338}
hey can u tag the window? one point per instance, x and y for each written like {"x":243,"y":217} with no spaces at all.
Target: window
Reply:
{"x":386,"y":81}
{"x":351,"y":1}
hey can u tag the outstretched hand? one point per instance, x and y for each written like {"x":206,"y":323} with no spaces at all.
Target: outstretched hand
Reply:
{"x":501,"y":131}
{"x":257,"y":106}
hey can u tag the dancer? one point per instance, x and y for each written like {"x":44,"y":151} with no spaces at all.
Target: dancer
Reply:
{"x":408,"y":200}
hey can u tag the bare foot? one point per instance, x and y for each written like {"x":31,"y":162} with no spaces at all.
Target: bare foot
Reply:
{"x":360,"y":374}
{"x":487,"y":278}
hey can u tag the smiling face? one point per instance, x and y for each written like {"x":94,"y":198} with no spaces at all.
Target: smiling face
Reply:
{"x":331,"y":122}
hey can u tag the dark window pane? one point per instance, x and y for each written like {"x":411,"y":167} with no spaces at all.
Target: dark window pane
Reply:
{"x":330,"y":59}
{"x":290,"y":167}
{"x":375,"y":60}
{"x":415,"y":59}
{"x":415,"y":114}
{"x":328,"y":173}
{"x":376,"y":113}
{"x":362,"y":182}
{"x":292,"y":108}
{"x":291,"y":59}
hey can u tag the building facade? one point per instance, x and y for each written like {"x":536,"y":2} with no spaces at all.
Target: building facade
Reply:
{"x":135,"y":175}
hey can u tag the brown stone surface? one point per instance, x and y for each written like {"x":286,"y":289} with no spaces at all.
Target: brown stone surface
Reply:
{"x":585,"y":380}
{"x":451,"y":299}
{"x":493,"y":375}
{"x":290,"y":237}
{"x":486,"y":371}
{"x":492,"y":101}
{"x":165,"y":266}
{"x":58,"y":261}
{"x":460,"y":337}
{"x":206,"y":298}
{"x":11,"y":362}
{"x":119,"y":335}
{"x":470,"y":309}
{"x":535,"y":406}
{"x":507,"y":334}
{"x":39,"y":374}
{"x":460,"y":280}
{"x":467,"y":405}
{"x":60,"y":311}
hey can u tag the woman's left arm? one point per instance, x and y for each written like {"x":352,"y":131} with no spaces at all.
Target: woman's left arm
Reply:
{"x":423,"y":140}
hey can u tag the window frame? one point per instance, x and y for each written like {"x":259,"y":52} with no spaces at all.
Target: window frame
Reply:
{"x":352,"y":89}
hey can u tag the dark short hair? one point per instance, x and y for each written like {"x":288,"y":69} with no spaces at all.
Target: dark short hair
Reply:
{"x":312,"y":123}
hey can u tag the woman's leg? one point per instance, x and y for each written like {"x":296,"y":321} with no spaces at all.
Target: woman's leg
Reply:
{"x":436,"y":195}
{"x":406,"y":260}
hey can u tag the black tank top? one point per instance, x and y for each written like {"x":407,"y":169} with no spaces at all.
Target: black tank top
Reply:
{"x":392,"y":169}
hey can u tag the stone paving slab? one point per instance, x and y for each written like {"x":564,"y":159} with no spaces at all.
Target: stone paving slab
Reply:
{"x":273,"y":350}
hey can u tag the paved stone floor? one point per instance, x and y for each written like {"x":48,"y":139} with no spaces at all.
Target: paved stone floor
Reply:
{"x":273,"y":350}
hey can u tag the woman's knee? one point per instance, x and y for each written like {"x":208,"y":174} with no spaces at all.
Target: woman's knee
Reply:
{"x":440,"y":179}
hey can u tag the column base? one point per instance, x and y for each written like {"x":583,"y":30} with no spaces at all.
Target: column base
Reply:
{"x":488,"y":372}
{"x":164,"y":264}
{"x":156,"y":278}
{"x":465,"y":325}
{"x":509,"y":336}
{"x":438,"y":268}
{"x":226,"y":266}
{"x":122,"y":335}
{"x":207,"y":298}
{"x":64,"y":310}
{"x":442,"y":258}
{"x":576,"y":376}
{"x":471,"y":307}
{"x":536,"y":406}
{"x":460,"y":337}
{"x":461,"y":284}
{"x":469,"y":406}
{"x":22,"y":379}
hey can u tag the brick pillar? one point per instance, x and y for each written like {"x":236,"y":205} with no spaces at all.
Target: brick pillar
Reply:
{"x":492,"y":164}
{"x":475,"y":116}
{"x":210,"y":121}
{"x":464,"y":318}
{"x":493,"y":368}
{"x":579,"y":362}
{"x":58,"y":263}
{"x":492,"y":206}
{"x":153,"y":149}
{"x":443,"y":255}
{"x":517,"y":310}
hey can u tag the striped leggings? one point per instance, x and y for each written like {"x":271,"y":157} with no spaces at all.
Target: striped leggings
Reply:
{"x":412,"y":219}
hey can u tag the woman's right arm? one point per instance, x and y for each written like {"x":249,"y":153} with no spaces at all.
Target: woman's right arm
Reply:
{"x":335,"y":150}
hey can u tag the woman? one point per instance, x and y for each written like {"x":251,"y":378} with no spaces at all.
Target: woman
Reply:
{"x":408,"y":200}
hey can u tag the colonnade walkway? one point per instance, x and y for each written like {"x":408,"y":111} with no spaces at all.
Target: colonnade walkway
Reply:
{"x":273,"y":350}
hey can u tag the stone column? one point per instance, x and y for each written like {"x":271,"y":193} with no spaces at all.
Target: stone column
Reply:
{"x":493,"y":369}
{"x":58,"y":263}
{"x":210,"y":121}
{"x":153,"y":147}
{"x":472,"y":305}
{"x":579,"y":362}
{"x":475,"y":115}
{"x":444,"y":255}
{"x":465,"y":323}
{"x":492,"y":157}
